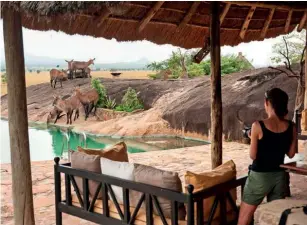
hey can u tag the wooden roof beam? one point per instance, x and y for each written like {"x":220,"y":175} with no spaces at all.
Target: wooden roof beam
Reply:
{"x":288,"y":22}
{"x":302,"y":22}
{"x":265,"y":5}
{"x":150,"y":15}
{"x":267,"y":23}
{"x":225,"y":11}
{"x":246,"y":21}
{"x":189,"y":15}
{"x":104,"y":15}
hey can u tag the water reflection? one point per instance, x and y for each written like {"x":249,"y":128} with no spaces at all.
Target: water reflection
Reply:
{"x":45,"y":144}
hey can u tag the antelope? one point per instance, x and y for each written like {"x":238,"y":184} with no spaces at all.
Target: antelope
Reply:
{"x":56,"y":112}
{"x":68,"y":106}
{"x":81,"y":65}
{"x":87,"y":70}
{"x":57,"y":75}
{"x":70,"y":68}
{"x":88,"y":99}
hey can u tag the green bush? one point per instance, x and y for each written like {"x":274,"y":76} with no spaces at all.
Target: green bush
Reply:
{"x":4,"y":78}
{"x":110,"y":104}
{"x":130,"y":102}
{"x":102,"y":92}
{"x":195,"y":70}
{"x":154,"y":76}
{"x":229,"y":64}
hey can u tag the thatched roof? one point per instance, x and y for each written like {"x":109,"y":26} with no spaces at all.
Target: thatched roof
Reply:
{"x":184,"y":24}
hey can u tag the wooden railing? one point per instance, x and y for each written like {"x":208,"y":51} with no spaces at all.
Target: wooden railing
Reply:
{"x":149,"y":197}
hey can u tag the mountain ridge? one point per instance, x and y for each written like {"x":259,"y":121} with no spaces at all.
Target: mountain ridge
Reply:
{"x":49,"y":62}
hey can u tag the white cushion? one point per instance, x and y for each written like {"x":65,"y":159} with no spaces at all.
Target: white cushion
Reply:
{"x":123,"y":170}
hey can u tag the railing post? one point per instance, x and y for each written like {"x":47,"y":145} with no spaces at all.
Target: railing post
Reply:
{"x":57,"y":188}
{"x":190,"y":213}
{"x":223,"y":209}
{"x":68,"y":190}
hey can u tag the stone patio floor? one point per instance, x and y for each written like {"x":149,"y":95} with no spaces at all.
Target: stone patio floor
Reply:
{"x":195,"y":159}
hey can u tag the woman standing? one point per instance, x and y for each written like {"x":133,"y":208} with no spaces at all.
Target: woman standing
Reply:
{"x":271,"y":139}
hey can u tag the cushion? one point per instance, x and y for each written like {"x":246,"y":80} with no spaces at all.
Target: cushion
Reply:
{"x":80,"y":160}
{"x":123,"y":170}
{"x":163,"y":179}
{"x":117,"y":152}
{"x":221,"y":174}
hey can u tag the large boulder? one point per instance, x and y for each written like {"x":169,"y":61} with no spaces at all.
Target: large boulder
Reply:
{"x":178,"y":104}
{"x":243,"y":102}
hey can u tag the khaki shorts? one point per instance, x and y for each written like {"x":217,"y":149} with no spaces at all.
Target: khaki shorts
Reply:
{"x":264,"y":184}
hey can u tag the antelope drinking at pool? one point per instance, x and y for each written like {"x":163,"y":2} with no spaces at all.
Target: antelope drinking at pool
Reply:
{"x":68,"y":106}
{"x":88,"y":99}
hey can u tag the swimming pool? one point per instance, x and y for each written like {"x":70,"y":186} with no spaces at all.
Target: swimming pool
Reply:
{"x":45,"y":144}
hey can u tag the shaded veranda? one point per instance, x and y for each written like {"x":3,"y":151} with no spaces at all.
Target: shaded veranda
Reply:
{"x":184,"y":24}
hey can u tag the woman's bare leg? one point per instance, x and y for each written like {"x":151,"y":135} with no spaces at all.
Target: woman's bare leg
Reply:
{"x":246,"y":213}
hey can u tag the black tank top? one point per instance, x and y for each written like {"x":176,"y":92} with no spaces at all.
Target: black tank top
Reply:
{"x":272,"y":148}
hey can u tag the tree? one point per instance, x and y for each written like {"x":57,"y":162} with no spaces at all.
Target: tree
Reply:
{"x":289,"y":50}
{"x":4,"y":78}
{"x":181,"y":65}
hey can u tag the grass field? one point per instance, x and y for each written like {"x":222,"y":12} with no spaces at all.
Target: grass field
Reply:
{"x":43,"y":77}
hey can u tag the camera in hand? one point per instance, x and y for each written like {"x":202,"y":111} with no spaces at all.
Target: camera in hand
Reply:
{"x":246,"y":131}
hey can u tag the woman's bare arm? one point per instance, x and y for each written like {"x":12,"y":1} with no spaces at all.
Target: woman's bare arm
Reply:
{"x":254,"y":139}
{"x":293,"y":146}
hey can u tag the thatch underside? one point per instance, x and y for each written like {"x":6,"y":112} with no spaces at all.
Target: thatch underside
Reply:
{"x":131,"y":21}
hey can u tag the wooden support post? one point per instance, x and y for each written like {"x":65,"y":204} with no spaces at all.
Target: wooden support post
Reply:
{"x":305,"y":100}
{"x":149,"y":15}
{"x":288,"y":22}
{"x":189,"y":15}
{"x":216,"y":90}
{"x":302,"y":22}
{"x":246,"y":22}
{"x":267,"y":24}
{"x":225,"y":11}
{"x":18,"y":118}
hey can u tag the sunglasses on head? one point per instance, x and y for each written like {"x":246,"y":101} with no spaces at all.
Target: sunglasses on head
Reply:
{"x":266,"y":95}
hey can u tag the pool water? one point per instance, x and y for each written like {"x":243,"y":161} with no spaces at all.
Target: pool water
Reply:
{"x":45,"y":144}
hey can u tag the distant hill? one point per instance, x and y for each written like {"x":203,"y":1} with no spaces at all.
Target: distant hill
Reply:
{"x":47,"y":62}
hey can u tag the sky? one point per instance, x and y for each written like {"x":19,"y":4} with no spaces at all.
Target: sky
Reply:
{"x":60,"y":45}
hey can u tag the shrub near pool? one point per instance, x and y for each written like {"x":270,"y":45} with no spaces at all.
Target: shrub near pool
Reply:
{"x":102,"y":92}
{"x":130,"y":102}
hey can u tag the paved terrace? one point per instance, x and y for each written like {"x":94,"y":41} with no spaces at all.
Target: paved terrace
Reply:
{"x":195,"y":159}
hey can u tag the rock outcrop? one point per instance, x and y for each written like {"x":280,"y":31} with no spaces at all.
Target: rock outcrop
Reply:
{"x":171,"y":105}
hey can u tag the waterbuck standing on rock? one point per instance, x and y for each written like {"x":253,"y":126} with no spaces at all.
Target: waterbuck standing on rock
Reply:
{"x":75,"y":65}
{"x":68,"y":106}
{"x":57,"y":75}
{"x":69,"y":64}
{"x":88,"y":99}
